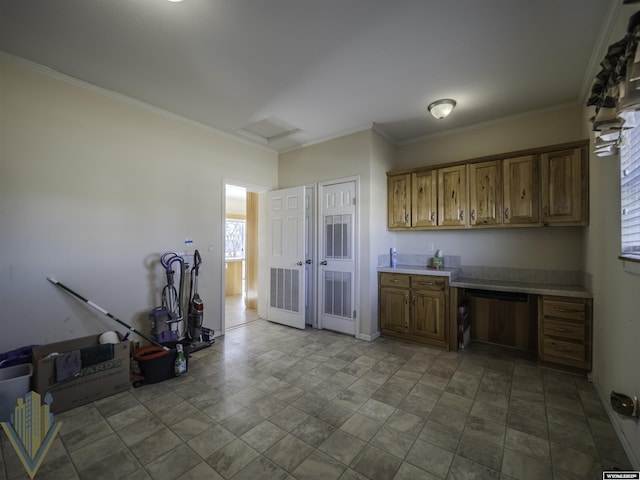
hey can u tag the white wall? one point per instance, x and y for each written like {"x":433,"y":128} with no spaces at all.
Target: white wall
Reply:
{"x":92,"y":190}
{"x":616,"y":333}
{"x":558,"y":248}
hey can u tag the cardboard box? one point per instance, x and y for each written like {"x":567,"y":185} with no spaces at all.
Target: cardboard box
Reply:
{"x":93,"y":382}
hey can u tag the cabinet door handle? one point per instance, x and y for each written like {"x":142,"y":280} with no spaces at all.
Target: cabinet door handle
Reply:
{"x":506,"y":213}
{"x":433,"y":216}
{"x":545,"y":211}
{"x":462,"y":215}
{"x":473,"y":215}
{"x":406,"y":218}
{"x":324,"y":262}
{"x":413,"y":300}
{"x":406,"y":299}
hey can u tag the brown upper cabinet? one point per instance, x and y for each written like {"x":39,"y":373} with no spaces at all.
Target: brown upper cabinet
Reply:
{"x":504,"y":192}
{"x":545,"y":186}
{"x":452,"y":196}
{"x":424,"y":199}
{"x":399,"y":201}
{"x":564,"y":187}
{"x":521,"y":190}
{"x":485,"y":193}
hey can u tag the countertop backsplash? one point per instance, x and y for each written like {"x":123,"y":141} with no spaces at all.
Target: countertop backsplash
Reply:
{"x":450,"y":261}
{"x":525,"y":275}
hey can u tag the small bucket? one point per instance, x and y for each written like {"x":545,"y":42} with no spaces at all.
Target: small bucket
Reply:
{"x":157,"y":364}
{"x":14,"y":384}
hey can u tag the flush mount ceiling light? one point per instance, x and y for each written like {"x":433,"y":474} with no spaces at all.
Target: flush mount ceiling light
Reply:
{"x":442,"y":108}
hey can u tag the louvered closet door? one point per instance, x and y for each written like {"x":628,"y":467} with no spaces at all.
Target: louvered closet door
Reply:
{"x":286,"y":214}
{"x":337,"y":308}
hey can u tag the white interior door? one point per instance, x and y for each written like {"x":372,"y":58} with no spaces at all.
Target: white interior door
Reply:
{"x":286,"y":214}
{"x":337,"y":268}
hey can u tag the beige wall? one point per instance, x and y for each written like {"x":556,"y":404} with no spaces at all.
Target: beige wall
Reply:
{"x":543,"y":248}
{"x":535,"y":129}
{"x":92,"y":190}
{"x":616,"y":333}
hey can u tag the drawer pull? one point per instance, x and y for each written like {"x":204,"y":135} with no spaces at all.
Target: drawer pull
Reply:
{"x":394,"y":280}
{"x":559,"y":329}
{"x":567,"y":310}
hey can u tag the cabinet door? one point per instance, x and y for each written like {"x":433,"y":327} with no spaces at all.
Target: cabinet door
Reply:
{"x":563,"y":187}
{"x":424,"y":199}
{"x":452,"y":196}
{"x":427,"y":318}
{"x":520,"y":182}
{"x":399,"y":198}
{"x":394,"y":309}
{"x":485,"y":193}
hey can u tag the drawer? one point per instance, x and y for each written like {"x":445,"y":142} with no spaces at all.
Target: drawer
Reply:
{"x":561,"y":349}
{"x":564,"y":309}
{"x":426,"y":282}
{"x":394,"y":280}
{"x":558,"y":328}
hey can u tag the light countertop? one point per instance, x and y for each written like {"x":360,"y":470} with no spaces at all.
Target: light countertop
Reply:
{"x":421,"y":270}
{"x":455,"y":280}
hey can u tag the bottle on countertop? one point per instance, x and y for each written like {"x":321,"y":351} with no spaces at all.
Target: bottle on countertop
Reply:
{"x":181,"y":361}
{"x":393,"y":258}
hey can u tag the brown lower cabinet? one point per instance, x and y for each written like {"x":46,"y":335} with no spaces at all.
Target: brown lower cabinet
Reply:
{"x":417,"y":308}
{"x":565,"y":331}
{"x":414,"y":307}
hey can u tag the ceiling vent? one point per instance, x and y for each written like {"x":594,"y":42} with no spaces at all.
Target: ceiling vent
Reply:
{"x":268,"y":130}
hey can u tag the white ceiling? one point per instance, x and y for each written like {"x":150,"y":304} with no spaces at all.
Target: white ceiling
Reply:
{"x":318,"y":68}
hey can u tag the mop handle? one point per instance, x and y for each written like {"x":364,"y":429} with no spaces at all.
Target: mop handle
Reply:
{"x":104,"y":312}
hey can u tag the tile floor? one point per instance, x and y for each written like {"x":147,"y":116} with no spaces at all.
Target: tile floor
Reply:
{"x":235,"y":312}
{"x":271,"y":402}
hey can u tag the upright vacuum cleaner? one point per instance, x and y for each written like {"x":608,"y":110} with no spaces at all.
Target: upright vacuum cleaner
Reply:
{"x":198,"y":336}
{"x":165,"y":320}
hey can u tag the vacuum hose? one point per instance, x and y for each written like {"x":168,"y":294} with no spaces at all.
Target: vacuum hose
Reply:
{"x":172,"y":299}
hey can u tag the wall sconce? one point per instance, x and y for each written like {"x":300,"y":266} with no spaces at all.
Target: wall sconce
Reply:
{"x":441,"y":108}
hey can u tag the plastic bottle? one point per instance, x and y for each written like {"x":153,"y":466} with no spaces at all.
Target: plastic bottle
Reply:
{"x":181,"y":361}
{"x":393,"y":257}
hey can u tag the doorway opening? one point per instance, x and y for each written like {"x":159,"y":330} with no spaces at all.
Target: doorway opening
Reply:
{"x":240,"y":256}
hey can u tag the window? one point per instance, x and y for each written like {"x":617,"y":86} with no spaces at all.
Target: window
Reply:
{"x":630,"y":192}
{"x":234,"y":238}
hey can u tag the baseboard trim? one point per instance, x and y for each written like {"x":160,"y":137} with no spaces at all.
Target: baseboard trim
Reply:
{"x":615,"y":422}
{"x":367,"y":337}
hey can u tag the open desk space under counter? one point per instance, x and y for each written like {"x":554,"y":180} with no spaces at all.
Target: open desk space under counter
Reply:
{"x":551,"y":322}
